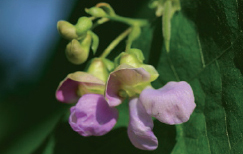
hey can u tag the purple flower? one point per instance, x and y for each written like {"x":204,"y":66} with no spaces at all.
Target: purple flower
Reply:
{"x":77,"y":84}
{"x":171,"y":104}
{"x":92,"y":116}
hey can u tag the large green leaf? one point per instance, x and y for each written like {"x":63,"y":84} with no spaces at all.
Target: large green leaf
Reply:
{"x":206,"y":51}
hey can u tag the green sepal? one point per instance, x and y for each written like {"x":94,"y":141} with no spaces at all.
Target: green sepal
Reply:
{"x":83,"y":25}
{"x":109,"y":64}
{"x":95,"y":41}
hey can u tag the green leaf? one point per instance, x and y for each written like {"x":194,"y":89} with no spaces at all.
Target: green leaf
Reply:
{"x":206,"y":51}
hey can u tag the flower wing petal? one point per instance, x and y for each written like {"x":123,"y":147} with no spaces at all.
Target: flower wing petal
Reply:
{"x":92,"y":116}
{"x":171,"y":104}
{"x":140,"y":127}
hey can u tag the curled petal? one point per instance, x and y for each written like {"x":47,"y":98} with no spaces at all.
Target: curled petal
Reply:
{"x":125,"y":78}
{"x":140,"y":127}
{"x":77,"y":84}
{"x":171,"y":104}
{"x":92,"y":116}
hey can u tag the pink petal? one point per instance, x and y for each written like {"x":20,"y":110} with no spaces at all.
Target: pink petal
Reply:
{"x":171,"y":104}
{"x":68,"y":88}
{"x":92,"y":116}
{"x":140,"y":127}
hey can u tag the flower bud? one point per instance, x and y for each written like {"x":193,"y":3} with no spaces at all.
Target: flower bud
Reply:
{"x":83,"y":25}
{"x":96,"y":12}
{"x":98,"y":69}
{"x":66,"y":30}
{"x":126,"y":58}
{"x":134,"y":57}
{"x":107,"y":8}
{"x":78,"y":53}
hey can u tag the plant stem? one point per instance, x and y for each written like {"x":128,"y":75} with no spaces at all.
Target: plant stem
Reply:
{"x":129,"y":21}
{"x":115,"y":42}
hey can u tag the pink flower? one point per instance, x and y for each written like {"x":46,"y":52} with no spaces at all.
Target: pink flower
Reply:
{"x":171,"y":104}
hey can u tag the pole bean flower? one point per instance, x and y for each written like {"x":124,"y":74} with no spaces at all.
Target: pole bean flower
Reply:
{"x":171,"y":104}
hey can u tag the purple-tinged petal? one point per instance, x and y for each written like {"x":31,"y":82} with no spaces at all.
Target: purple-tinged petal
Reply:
{"x":125,"y":78}
{"x":140,"y":127}
{"x":81,"y":82}
{"x":92,"y":116}
{"x":171,"y":104}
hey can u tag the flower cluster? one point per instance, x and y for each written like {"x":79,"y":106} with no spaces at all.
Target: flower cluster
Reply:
{"x":97,"y":92}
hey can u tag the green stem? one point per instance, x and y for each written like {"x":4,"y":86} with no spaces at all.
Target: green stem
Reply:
{"x":99,"y":22}
{"x":115,"y":42}
{"x":129,"y":21}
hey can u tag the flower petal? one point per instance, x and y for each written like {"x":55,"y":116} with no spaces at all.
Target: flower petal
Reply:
{"x":125,"y":78}
{"x":92,"y":116}
{"x":140,"y":127}
{"x":171,"y":104}
{"x":67,"y":90}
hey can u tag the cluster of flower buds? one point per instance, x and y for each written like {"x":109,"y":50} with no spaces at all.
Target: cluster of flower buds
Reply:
{"x":97,"y":92}
{"x":81,"y":39}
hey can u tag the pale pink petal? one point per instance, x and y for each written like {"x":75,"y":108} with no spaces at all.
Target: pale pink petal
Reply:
{"x":124,"y":77}
{"x":92,"y":116}
{"x":171,"y":104}
{"x":68,"y":88}
{"x":140,"y":127}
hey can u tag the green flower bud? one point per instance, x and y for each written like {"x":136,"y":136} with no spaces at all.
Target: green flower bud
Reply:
{"x":78,"y":53}
{"x":66,"y":30}
{"x":134,"y":58}
{"x":96,"y":12}
{"x":83,"y":25}
{"x":129,"y":58}
{"x":107,"y":8}
{"x":138,"y":53}
{"x":98,"y":69}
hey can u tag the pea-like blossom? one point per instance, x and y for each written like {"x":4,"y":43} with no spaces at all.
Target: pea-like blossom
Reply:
{"x":77,"y":84}
{"x":92,"y":116}
{"x":171,"y":104}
